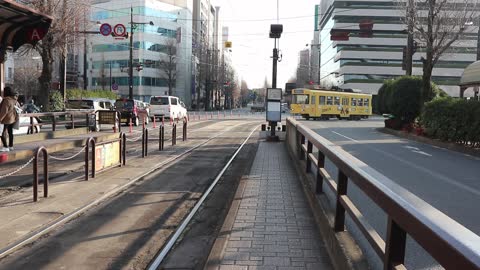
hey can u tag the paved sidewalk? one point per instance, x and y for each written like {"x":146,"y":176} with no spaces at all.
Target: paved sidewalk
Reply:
{"x":273,"y":227}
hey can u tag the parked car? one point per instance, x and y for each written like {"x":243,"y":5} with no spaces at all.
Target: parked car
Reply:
{"x":86,"y":105}
{"x":134,"y":110}
{"x":167,"y":106}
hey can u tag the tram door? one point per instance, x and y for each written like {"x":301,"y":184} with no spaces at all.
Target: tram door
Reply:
{"x":345,"y":108}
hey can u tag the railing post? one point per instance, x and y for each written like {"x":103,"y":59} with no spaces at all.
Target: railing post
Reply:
{"x":340,"y":210}
{"x":320,"y":165}
{"x":174,"y":134}
{"x":87,"y":122}
{"x":45,"y":173}
{"x":394,"y":246}
{"x":73,"y":120}
{"x":146,"y":141}
{"x":302,"y":142}
{"x":309,"y":151}
{"x":54,"y":123}
{"x":30,"y":128}
{"x":184,"y":130}
{"x":124,"y":148}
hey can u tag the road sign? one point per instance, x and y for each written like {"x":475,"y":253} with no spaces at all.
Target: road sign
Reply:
{"x":114,"y":86}
{"x":105,"y":29}
{"x":119,"y":30}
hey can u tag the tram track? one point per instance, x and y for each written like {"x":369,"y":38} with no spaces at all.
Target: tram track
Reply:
{"x":183,"y":202}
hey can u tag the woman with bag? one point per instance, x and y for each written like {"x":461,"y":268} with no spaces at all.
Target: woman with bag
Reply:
{"x":8,"y":117}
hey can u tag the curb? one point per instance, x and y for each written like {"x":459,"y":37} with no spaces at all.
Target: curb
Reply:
{"x":433,"y":142}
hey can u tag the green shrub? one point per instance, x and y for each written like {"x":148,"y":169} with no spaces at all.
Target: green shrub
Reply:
{"x":453,"y":120}
{"x":80,"y":93}
{"x":56,"y":102}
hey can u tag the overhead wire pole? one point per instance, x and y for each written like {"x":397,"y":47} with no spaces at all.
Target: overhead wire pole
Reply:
{"x":478,"y":39}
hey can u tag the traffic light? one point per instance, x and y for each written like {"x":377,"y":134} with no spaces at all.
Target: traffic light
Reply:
{"x":366,"y":28}
{"x":404,"y":58}
{"x":336,"y":35}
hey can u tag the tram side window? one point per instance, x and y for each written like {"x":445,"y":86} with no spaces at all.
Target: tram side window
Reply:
{"x":329,"y":101}
{"x":366,"y":102}
{"x":360,"y":102}
{"x":312,"y":100}
{"x":345,"y":101}
{"x":354,"y":102}
{"x":322,"y":100}
{"x":300,"y":99}
{"x":337,"y":101}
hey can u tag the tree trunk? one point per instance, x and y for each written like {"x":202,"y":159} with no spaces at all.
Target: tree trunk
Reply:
{"x":426,"y":78}
{"x":45,"y":78}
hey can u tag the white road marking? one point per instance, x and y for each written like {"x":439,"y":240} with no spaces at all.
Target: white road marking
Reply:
{"x":346,"y":137}
{"x":422,"y":153}
{"x":411,"y":147}
{"x":420,"y":168}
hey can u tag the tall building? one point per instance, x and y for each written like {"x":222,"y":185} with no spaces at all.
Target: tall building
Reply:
{"x":363,"y":63}
{"x":110,"y":55}
{"x":303,"y":69}
{"x":205,"y":33}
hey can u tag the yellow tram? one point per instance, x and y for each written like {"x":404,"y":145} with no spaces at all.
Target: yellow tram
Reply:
{"x":321,"y":104}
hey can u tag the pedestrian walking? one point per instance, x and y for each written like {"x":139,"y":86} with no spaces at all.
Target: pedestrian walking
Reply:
{"x":8,"y":117}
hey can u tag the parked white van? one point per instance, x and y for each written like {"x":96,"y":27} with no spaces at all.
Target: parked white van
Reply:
{"x":168,"y":107}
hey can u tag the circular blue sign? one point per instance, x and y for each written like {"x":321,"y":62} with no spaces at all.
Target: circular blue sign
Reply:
{"x":105,"y":29}
{"x":114,"y":86}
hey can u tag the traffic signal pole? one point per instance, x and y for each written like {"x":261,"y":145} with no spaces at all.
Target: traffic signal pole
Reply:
{"x":130,"y":63}
{"x":409,"y":50}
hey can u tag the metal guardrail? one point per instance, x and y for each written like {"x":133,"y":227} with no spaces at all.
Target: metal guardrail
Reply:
{"x":452,"y":245}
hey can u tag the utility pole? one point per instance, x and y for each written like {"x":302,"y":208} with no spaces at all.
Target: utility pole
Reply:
{"x":478,"y":40}
{"x":207,"y":73}
{"x":409,"y":50}
{"x":130,"y":63}
{"x":85,"y":77}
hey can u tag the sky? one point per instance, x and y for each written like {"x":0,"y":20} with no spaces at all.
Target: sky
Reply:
{"x":249,"y":26}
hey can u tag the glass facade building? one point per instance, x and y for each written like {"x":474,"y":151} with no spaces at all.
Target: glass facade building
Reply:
{"x":109,"y":55}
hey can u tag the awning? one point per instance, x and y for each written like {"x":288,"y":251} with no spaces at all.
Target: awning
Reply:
{"x":19,"y":25}
{"x":471,"y":76}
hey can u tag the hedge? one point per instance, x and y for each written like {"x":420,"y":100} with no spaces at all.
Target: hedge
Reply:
{"x":80,"y":93}
{"x":404,"y":98}
{"x":453,"y":120}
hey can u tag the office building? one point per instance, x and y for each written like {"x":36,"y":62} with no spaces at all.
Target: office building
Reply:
{"x":108,"y":56}
{"x":363,"y":63}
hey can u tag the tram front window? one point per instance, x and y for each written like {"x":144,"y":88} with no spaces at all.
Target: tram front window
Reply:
{"x":300,"y":99}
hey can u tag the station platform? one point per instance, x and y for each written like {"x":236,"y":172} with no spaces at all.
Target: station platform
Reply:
{"x":269,"y":225}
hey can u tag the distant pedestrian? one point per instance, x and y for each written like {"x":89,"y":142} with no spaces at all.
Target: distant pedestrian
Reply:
{"x":8,"y":117}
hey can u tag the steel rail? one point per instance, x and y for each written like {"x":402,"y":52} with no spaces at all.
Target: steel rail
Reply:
{"x":173,"y":239}
{"x":64,"y":219}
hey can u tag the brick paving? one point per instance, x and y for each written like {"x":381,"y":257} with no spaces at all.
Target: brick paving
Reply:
{"x":274,"y":227}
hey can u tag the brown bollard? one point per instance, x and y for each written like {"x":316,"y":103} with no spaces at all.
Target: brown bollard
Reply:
{"x":184,"y":137}
{"x":45,"y":173}
{"x":90,"y":142}
{"x":174,"y":134}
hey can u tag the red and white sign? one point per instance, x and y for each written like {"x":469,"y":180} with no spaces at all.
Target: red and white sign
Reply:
{"x":35,"y":34}
{"x":105,"y":29}
{"x":119,"y":30}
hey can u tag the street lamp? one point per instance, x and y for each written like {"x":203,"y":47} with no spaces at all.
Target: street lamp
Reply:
{"x":133,"y":25}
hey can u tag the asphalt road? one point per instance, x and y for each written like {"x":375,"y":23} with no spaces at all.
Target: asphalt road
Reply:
{"x":448,"y":180}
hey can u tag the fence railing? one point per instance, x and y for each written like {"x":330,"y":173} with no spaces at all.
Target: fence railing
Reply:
{"x":448,"y":242}
{"x":54,"y":119}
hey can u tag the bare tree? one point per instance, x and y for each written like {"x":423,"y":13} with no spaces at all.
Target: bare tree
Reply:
{"x":244,"y":93}
{"x":67,"y":15}
{"x":168,"y":65}
{"x":26,"y":80}
{"x":436,"y":25}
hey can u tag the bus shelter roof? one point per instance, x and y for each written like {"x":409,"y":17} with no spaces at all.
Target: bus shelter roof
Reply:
{"x":471,"y":75}
{"x":19,"y":25}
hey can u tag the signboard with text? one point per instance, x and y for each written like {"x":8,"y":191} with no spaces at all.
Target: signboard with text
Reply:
{"x":107,"y":155}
